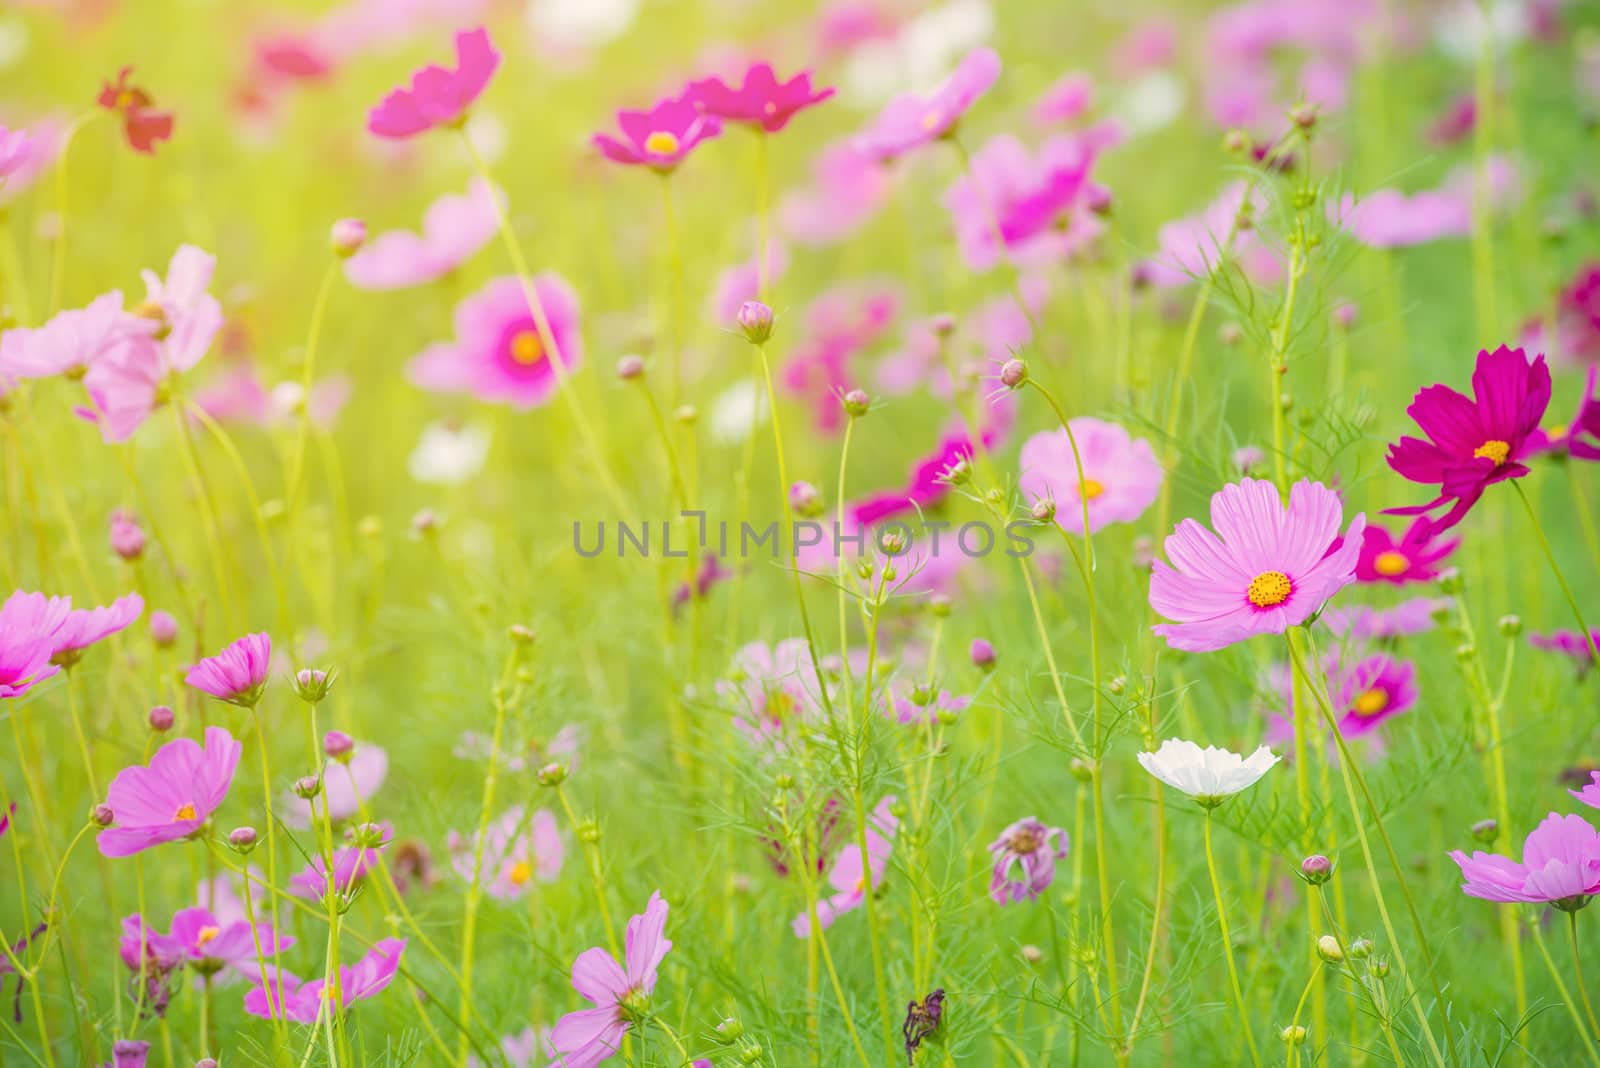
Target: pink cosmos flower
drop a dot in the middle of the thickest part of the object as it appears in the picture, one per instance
(525, 1049)
(928, 708)
(438, 98)
(771, 688)
(28, 624)
(1068, 98)
(1456, 121)
(77, 630)
(191, 317)
(236, 675)
(1372, 690)
(742, 282)
(209, 944)
(454, 229)
(306, 1002)
(350, 863)
(498, 354)
(1590, 794)
(588, 1037)
(33, 158)
(841, 324)
(1560, 866)
(1472, 444)
(848, 187)
(1040, 206)
(171, 798)
(662, 137)
(851, 877)
(1569, 643)
(1033, 848)
(1365, 623)
(1387, 218)
(1579, 437)
(1577, 320)
(515, 851)
(15, 148)
(1413, 558)
(72, 341)
(1267, 568)
(1191, 247)
(344, 788)
(142, 124)
(761, 100)
(128, 1053)
(910, 121)
(1121, 475)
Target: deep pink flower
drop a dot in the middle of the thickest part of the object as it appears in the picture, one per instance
(1579, 437)
(142, 124)
(910, 121)
(515, 851)
(1560, 866)
(1039, 205)
(236, 675)
(1577, 320)
(1590, 794)
(1267, 568)
(350, 864)
(1569, 643)
(588, 1037)
(15, 149)
(128, 1053)
(499, 354)
(1474, 443)
(1121, 475)
(848, 187)
(1364, 623)
(1456, 121)
(851, 878)
(761, 100)
(437, 97)
(28, 624)
(841, 324)
(1413, 558)
(662, 137)
(72, 341)
(344, 787)
(1373, 689)
(171, 798)
(453, 230)
(1033, 848)
(210, 944)
(307, 1002)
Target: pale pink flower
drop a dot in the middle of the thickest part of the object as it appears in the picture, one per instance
(72, 341)
(454, 229)
(912, 120)
(588, 1037)
(852, 876)
(345, 787)
(516, 850)
(1121, 475)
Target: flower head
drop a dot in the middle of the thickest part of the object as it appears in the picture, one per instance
(1018, 206)
(173, 796)
(308, 1002)
(515, 851)
(1367, 693)
(1412, 558)
(1208, 775)
(587, 1037)
(84, 627)
(15, 148)
(760, 100)
(853, 876)
(1267, 568)
(210, 944)
(236, 675)
(1579, 437)
(1365, 623)
(350, 864)
(344, 787)
(72, 341)
(771, 689)
(1121, 475)
(662, 137)
(28, 624)
(142, 124)
(1560, 866)
(1030, 849)
(1474, 443)
(910, 121)
(454, 229)
(500, 354)
(438, 97)
(1570, 643)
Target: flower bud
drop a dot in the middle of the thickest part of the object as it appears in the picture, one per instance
(127, 537)
(1304, 116)
(161, 719)
(1486, 831)
(425, 522)
(630, 367)
(588, 832)
(958, 473)
(750, 1053)
(338, 745)
(892, 542)
(1230, 334)
(1328, 949)
(1450, 582)
(1378, 969)
(369, 836)
(1345, 315)
(805, 500)
(1316, 869)
(1031, 953)
(101, 815)
(982, 654)
(1235, 142)
(939, 606)
(942, 325)
(242, 839)
(1081, 769)
(163, 628)
(857, 403)
(1293, 1035)
(553, 774)
(1361, 949)
(1044, 510)
(520, 634)
(312, 685)
(1013, 373)
(206, 1062)
(686, 414)
(1510, 626)
(307, 786)
(730, 1029)
(755, 319)
(347, 236)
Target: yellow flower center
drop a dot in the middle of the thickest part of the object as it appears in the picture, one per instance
(1390, 562)
(930, 120)
(125, 99)
(185, 812)
(207, 934)
(521, 872)
(1090, 488)
(1493, 449)
(1558, 432)
(1372, 702)
(1269, 588)
(526, 348)
(661, 143)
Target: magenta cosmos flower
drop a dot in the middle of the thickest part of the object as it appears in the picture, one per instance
(350, 864)
(662, 137)
(1030, 849)
(910, 121)
(588, 1037)
(1474, 443)
(345, 786)
(306, 1002)
(171, 798)
(1413, 558)
(28, 624)
(1577, 321)
(760, 100)
(851, 877)
(1579, 437)
(515, 851)
(1267, 568)
(1569, 643)
(438, 97)
(1372, 690)
(1121, 476)
(1560, 866)
(499, 354)
(209, 944)
(1035, 206)
(236, 675)
(1590, 794)
(454, 229)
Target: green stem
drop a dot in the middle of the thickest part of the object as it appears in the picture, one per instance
(1577, 972)
(1561, 580)
(1227, 948)
(1566, 995)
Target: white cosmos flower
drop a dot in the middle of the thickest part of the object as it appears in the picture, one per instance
(737, 410)
(1208, 775)
(447, 455)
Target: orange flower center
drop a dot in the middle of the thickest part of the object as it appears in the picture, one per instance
(521, 872)
(185, 812)
(930, 120)
(1269, 588)
(1390, 562)
(1090, 488)
(1372, 702)
(1558, 432)
(526, 348)
(125, 99)
(207, 934)
(661, 143)
(1493, 449)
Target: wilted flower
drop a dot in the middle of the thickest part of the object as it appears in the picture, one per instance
(1033, 848)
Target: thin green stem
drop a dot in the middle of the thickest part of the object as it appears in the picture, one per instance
(1227, 948)
(1561, 580)
(1566, 995)
(1577, 972)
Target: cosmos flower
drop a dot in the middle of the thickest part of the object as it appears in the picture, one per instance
(1066, 99)
(851, 877)
(1267, 568)
(923, 707)
(1560, 866)
(305, 1002)
(1576, 337)
(760, 100)
(1121, 475)
(847, 189)
(1473, 443)
(1030, 849)
(208, 944)
(448, 455)
(1370, 691)
(1590, 794)
(236, 675)
(841, 324)
(1579, 437)
(910, 121)
(438, 98)
(1569, 643)
(190, 317)
(1365, 623)
(344, 787)
(15, 148)
(1193, 246)
(499, 354)
(454, 229)
(128, 1053)
(528, 1048)
(1413, 558)
(27, 642)
(171, 798)
(81, 628)
(142, 124)
(1030, 207)
(350, 863)
(770, 688)
(72, 341)
(662, 137)
(515, 851)
(587, 1037)
(1208, 775)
